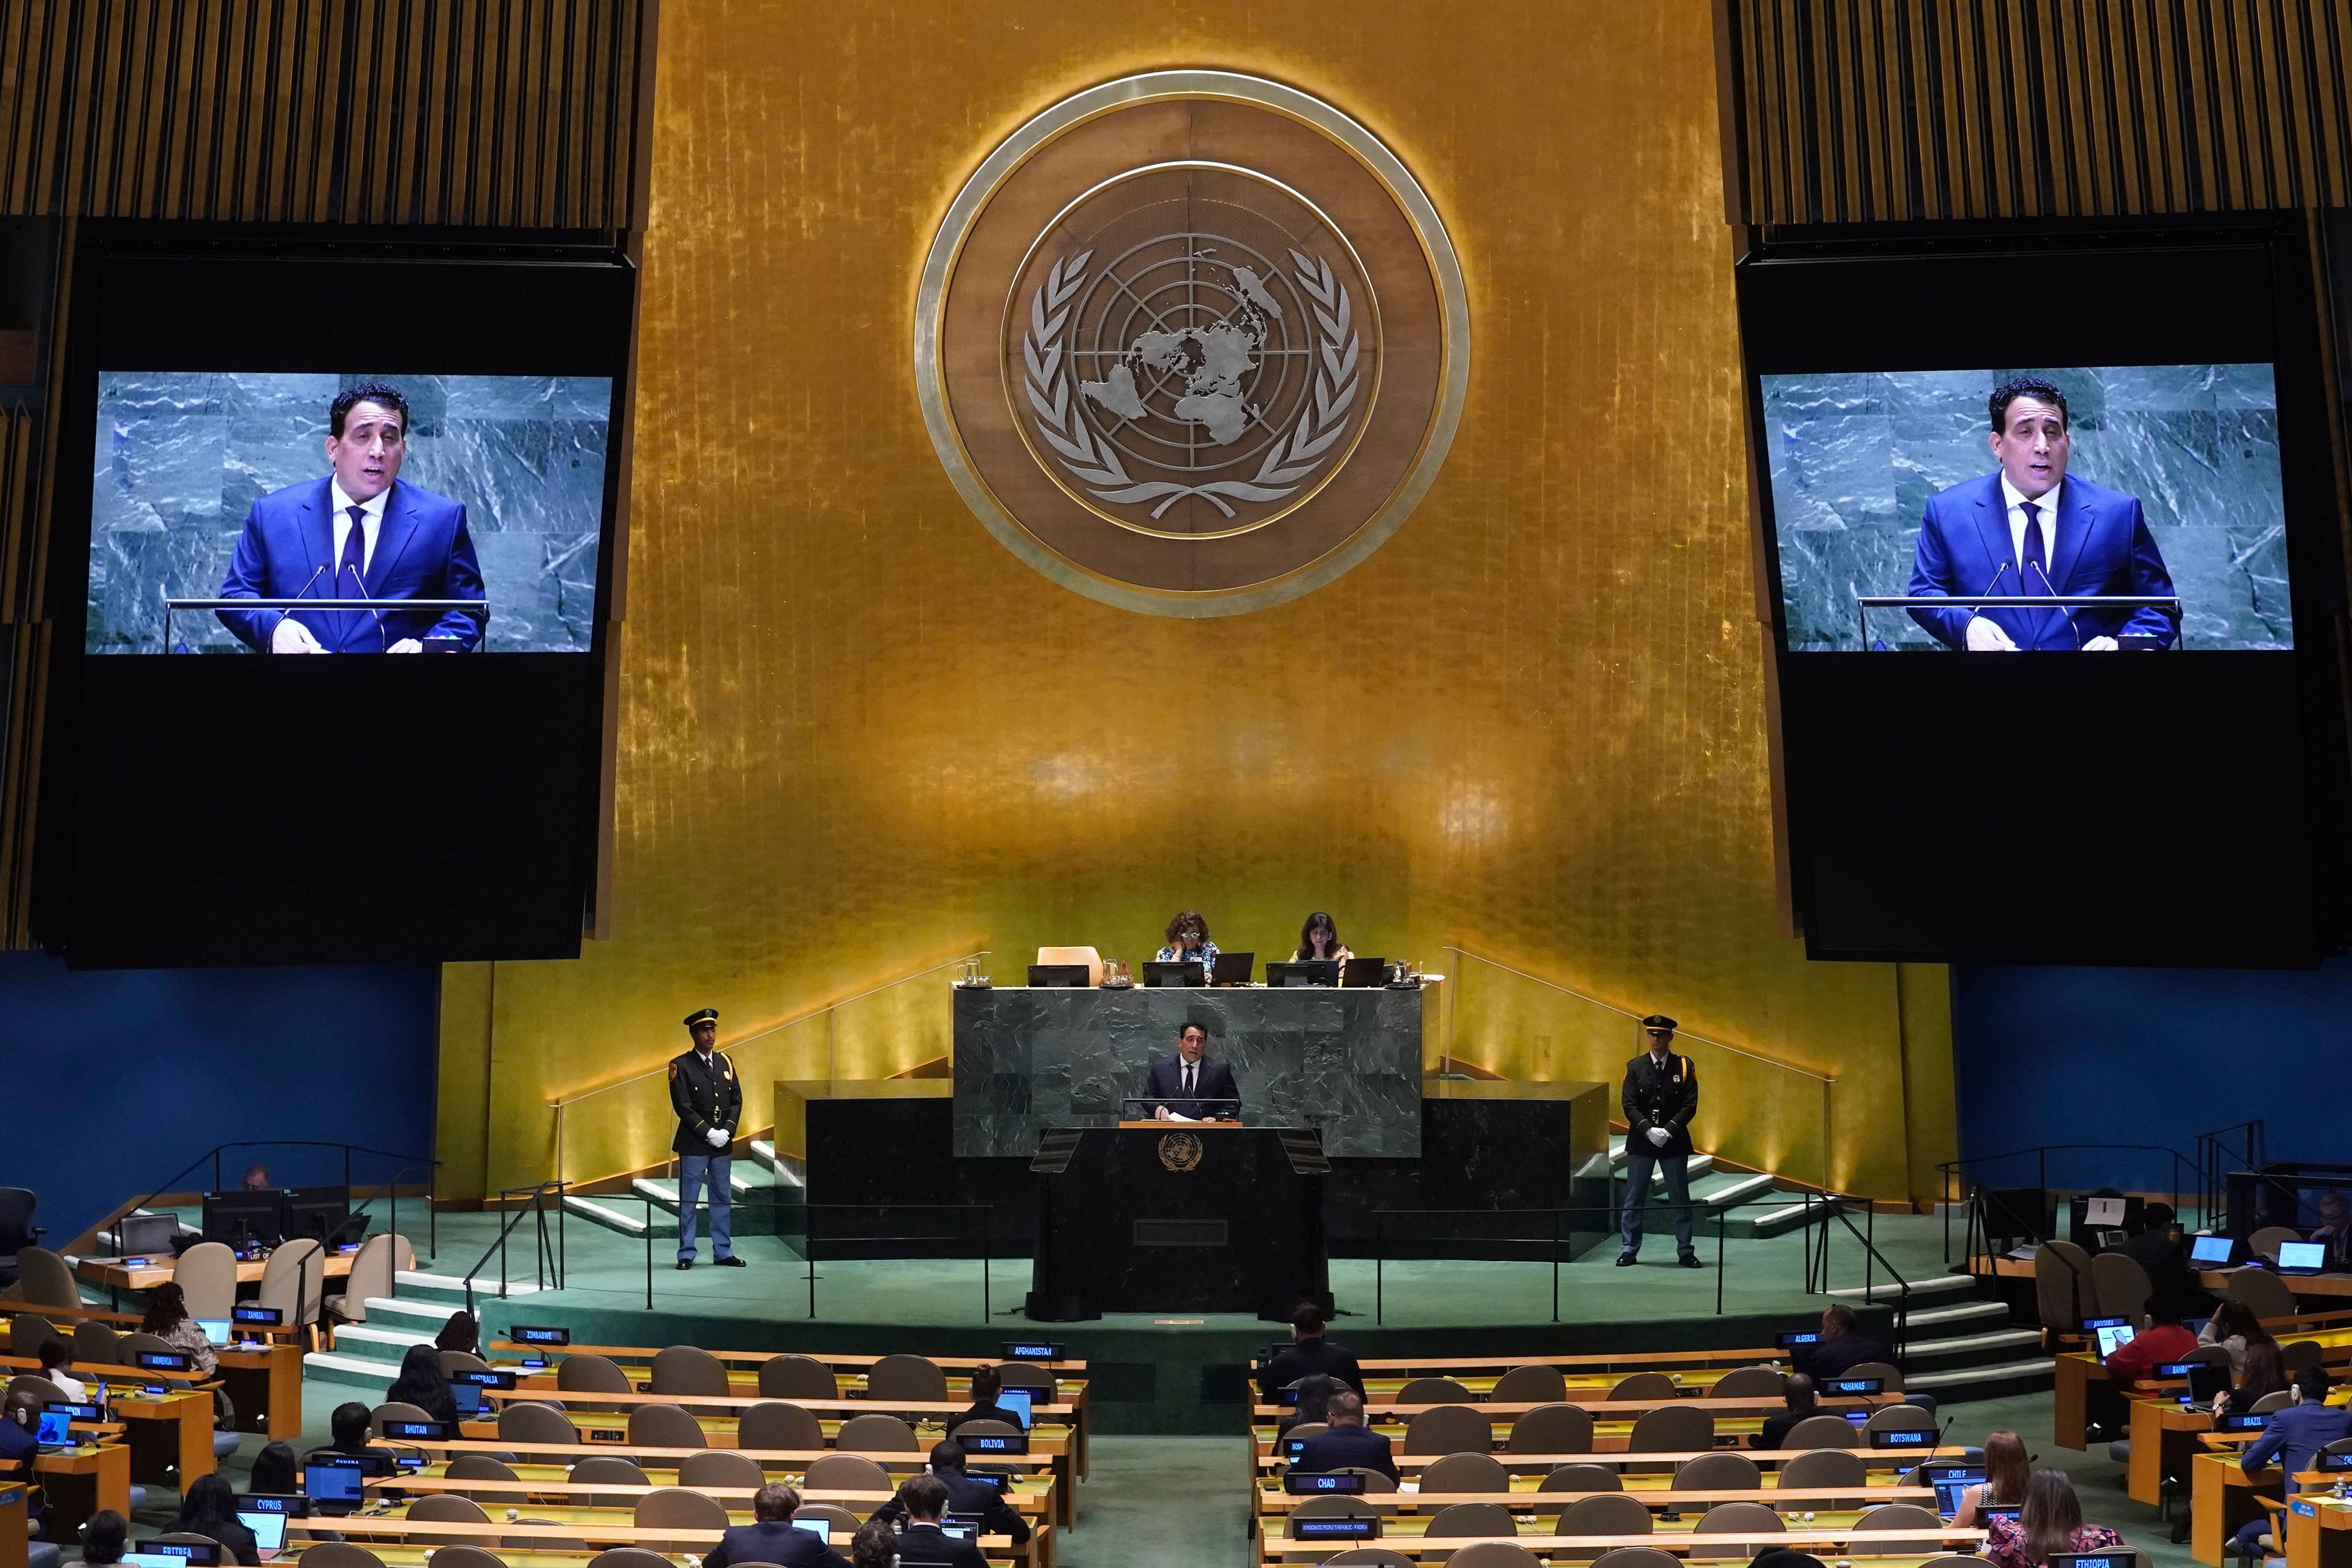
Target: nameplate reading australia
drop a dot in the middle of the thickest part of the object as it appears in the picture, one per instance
(1191, 343)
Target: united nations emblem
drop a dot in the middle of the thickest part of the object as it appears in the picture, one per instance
(1191, 343)
(1179, 1151)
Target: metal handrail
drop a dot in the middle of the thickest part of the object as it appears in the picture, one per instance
(1971, 1192)
(498, 1244)
(213, 1155)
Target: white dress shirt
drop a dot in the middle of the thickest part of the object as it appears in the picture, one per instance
(2029, 580)
(370, 525)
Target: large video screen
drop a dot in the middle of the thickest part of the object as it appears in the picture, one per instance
(482, 495)
(2143, 499)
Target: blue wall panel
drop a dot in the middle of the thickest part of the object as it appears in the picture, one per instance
(2150, 1055)
(116, 1079)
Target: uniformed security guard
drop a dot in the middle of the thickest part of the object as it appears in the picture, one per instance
(709, 1100)
(1661, 1097)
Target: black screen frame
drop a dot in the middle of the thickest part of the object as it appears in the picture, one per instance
(183, 817)
(2189, 806)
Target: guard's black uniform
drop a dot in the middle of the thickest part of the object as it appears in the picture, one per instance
(707, 1094)
(1658, 1093)
(703, 1096)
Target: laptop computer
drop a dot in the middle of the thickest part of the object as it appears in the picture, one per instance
(1951, 1482)
(2112, 1337)
(469, 1396)
(269, 1531)
(1018, 1400)
(333, 1486)
(2211, 1251)
(1193, 973)
(1234, 968)
(1365, 971)
(821, 1529)
(960, 1526)
(55, 1431)
(1302, 972)
(215, 1330)
(2301, 1257)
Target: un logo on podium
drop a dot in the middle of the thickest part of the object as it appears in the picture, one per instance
(1193, 342)
(1179, 1151)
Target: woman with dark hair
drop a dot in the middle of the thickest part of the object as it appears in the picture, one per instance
(1315, 1392)
(1318, 941)
(1188, 940)
(2258, 1374)
(2049, 1522)
(2005, 1482)
(104, 1536)
(55, 1356)
(423, 1383)
(463, 1332)
(209, 1509)
(2233, 1326)
(274, 1471)
(167, 1318)
(876, 1545)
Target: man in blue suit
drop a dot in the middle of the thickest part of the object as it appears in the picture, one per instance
(357, 534)
(2029, 530)
(1346, 1443)
(2294, 1438)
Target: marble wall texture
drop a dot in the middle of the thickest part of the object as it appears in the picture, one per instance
(1855, 457)
(1345, 1062)
(182, 456)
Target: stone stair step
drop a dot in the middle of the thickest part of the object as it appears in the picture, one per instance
(1983, 1382)
(2001, 1341)
(1791, 1216)
(626, 1217)
(1967, 1315)
(1886, 1290)
(366, 1341)
(350, 1372)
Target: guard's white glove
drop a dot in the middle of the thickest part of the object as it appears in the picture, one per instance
(1659, 1136)
(2102, 644)
(293, 637)
(718, 1136)
(1985, 636)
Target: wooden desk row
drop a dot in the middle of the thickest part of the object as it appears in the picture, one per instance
(2085, 1393)
(420, 1536)
(1877, 1462)
(1844, 1544)
(115, 1275)
(264, 1384)
(634, 1354)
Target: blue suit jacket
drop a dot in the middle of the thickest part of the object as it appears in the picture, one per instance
(2295, 1434)
(422, 551)
(1215, 1093)
(1347, 1447)
(2103, 547)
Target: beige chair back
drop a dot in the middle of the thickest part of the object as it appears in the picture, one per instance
(43, 1280)
(878, 1433)
(1899, 1418)
(847, 1473)
(1433, 1391)
(629, 1557)
(1553, 1429)
(1530, 1385)
(2265, 1293)
(139, 1343)
(2295, 1355)
(664, 1426)
(719, 1467)
(1086, 955)
(1645, 1386)
(592, 1375)
(371, 1276)
(448, 1508)
(28, 1331)
(1889, 1375)
(611, 1470)
(455, 1361)
(294, 1282)
(675, 1508)
(1671, 1428)
(2264, 1243)
(1902, 1516)
(207, 1276)
(343, 1554)
(1833, 1468)
(779, 1424)
(796, 1377)
(1466, 1473)
(1723, 1472)
(1750, 1382)
(1305, 1429)
(1449, 1429)
(1371, 1557)
(94, 1344)
(1822, 1432)
(480, 1468)
(2121, 1285)
(2063, 1292)
(465, 1557)
(986, 1429)
(2270, 1402)
(1617, 1557)
(394, 1410)
(1753, 1518)
(1472, 1519)
(910, 1377)
(538, 1426)
(689, 1370)
(1583, 1478)
(1491, 1554)
(1602, 1513)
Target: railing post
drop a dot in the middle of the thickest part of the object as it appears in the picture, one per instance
(1721, 1214)
(987, 1290)
(649, 1250)
(808, 1254)
(1869, 1246)
(1555, 1266)
(1380, 1266)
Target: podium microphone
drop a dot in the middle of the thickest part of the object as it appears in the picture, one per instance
(2063, 610)
(381, 645)
(283, 614)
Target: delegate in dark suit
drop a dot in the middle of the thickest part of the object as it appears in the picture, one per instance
(777, 1540)
(966, 1496)
(1347, 1447)
(929, 1546)
(1214, 1096)
(1311, 1357)
(2294, 1438)
(422, 551)
(2100, 545)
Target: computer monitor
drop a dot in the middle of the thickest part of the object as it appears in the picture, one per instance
(332, 1485)
(146, 1233)
(2301, 1257)
(2206, 1380)
(1365, 971)
(469, 1396)
(237, 1219)
(1952, 1482)
(319, 1213)
(2112, 1337)
(215, 1330)
(2213, 1251)
(821, 1529)
(1234, 968)
(269, 1531)
(1062, 976)
(1194, 973)
(1017, 1401)
(1302, 971)
(55, 1429)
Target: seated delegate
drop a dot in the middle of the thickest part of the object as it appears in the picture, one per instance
(2049, 1519)
(1318, 942)
(1187, 942)
(965, 1496)
(1346, 1443)
(2163, 1341)
(2294, 1438)
(1797, 1402)
(1310, 1354)
(986, 1383)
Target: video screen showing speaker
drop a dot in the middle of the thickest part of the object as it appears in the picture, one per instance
(1928, 509)
(348, 445)
(442, 513)
(2045, 520)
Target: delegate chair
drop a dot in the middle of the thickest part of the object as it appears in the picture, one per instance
(1822, 1432)
(1466, 1473)
(1889, 1375)
(1750, 1382)
(448, 1508)
(2265, 1293)
(611, 1470)
(909, 1377)
(1899, 1418)
(17, 1230)
(1472, 1519)
(1645, 1386)
(1629, 1557)
(529, 1424)
(796, 1377)
(1493, 1554)
(1299, 1433)
(27, 1332)
(43, 1280)
(2063, 1293)
(294, 1282)
(1371, 1557)
(455, 1361)
(592, 1375)
(1089, 956)
(675, 1508)
(2298, 1354)
(664, 1426)
(207, 1276)
(628, 1557)
(1835, 1468)
(1433, 1390)
(1671, 1428)
(94, 1344)
(2264, 1243)
(1603, 1513)
(465, 1557)
(370, 1280)
(1553, 1429)
(1023, 1375)
(847, 1473)
(1723, 1472)
(343, 1554)
(1530, 1385)
(2121, 1284)
(839, 1521)
(480, 1468)
(1449, 1429)
(878, 1433)
(1583, 1478)
(689, 1370)
(138, 1343)
(1751, 1519)
(1902, 1516)
(719, 1467)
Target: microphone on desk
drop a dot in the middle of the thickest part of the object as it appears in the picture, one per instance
(283, 614)
(382, 645)
(2063, 610)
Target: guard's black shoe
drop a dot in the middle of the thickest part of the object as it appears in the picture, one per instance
(1625, 1260)
(686, 1263)
(731, 1263)
(1690, 1260)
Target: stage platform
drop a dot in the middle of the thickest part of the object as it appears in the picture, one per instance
(1168, 1373)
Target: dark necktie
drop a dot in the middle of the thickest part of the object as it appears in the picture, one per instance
(1188, 1078)
(350, 571)
(2037, 562)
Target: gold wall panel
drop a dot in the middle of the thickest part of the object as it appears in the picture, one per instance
(855, 732)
